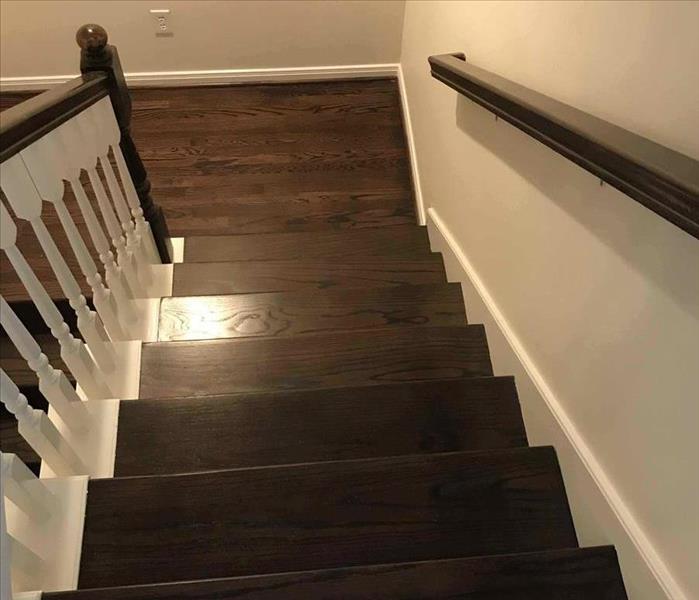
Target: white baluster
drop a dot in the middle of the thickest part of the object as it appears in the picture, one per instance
(39, 158)
(25, 201)
(69, 137)
(53, 384)
(73, 351)
(96, 127)
(104, 106)
(84, 132)
(40, 433)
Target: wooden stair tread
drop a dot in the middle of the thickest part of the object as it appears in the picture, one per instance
(402, 240)
(244, 277)
(221, 212)
(568, 574)
(362, 357)
(194, 434)
(323, 515)
(16, 367)
(309, 311)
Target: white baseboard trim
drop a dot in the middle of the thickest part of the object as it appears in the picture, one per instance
(611, 520)
(218, 76)
(415, 173)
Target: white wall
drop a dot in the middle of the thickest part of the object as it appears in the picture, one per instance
(38, 38)
(589, 297)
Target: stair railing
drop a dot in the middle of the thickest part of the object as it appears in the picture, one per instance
(68, 152)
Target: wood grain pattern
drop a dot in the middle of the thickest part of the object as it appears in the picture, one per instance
(316, 425)
(569, 574)
(312, 361)
(292, 313)
(322, 515)
(320, 155)
(407, 241)
(245, 277)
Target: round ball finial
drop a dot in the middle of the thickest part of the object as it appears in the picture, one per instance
(91, 37)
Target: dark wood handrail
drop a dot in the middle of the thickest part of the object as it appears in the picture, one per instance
(661, 179)
(30, 120)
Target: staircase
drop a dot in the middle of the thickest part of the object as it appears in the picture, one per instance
(316, 418)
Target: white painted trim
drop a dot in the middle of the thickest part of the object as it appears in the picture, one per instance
(633, 530)
(218, 76)
(412, 152)
(177, 250)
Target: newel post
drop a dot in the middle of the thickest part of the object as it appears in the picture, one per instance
(97, 55)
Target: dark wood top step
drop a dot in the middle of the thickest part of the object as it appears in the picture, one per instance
(245, 277)
(569, 574)
(16, 367)
(309, 311)
(408, 241)
(196, 434)
(323, 515)
(218, 211)
(362, 357)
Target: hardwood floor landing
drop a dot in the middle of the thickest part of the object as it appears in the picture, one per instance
(256, 158)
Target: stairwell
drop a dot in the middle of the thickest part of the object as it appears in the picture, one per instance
(317, 417)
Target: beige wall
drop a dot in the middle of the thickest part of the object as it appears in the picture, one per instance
(599, 296)
(37, 38)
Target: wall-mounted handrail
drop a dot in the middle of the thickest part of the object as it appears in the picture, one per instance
(663, 180)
